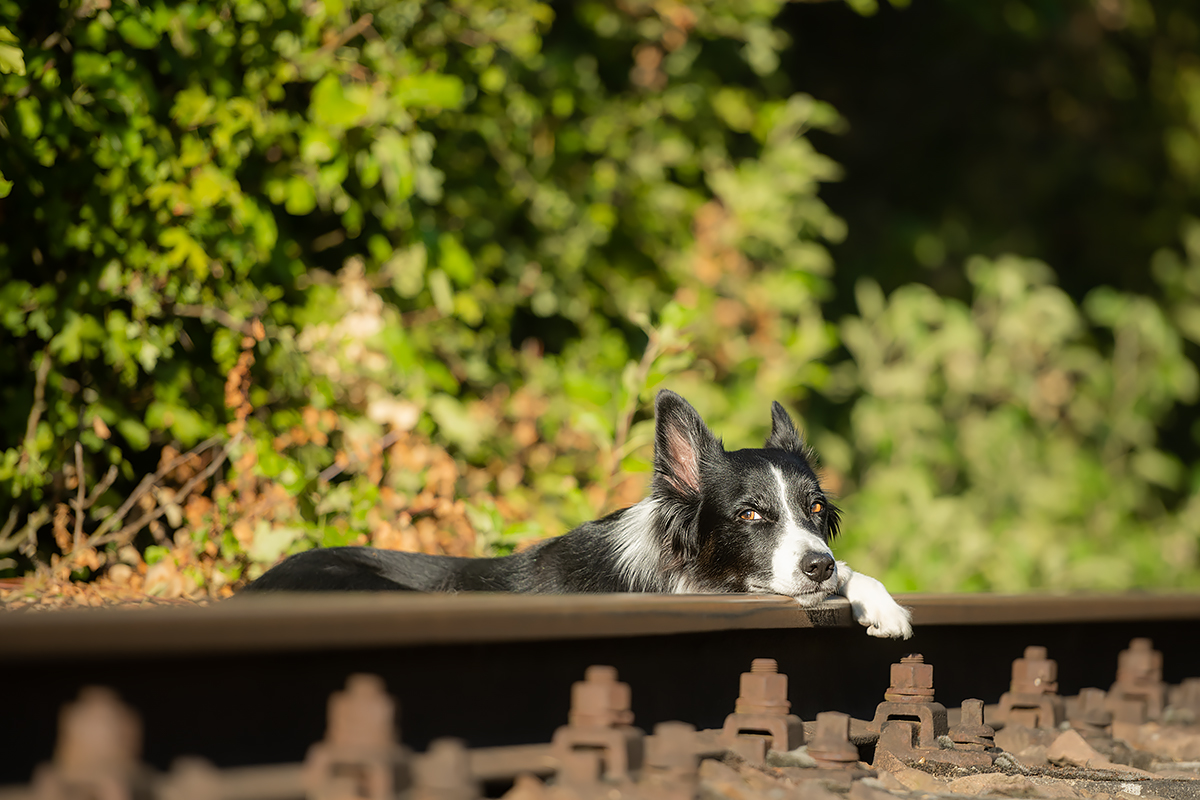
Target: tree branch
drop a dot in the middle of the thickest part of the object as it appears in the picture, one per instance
(357, 27)
(187, 488)
(148, 482)
(5, 538)
(39, 405)
(625, 421)
(80, 496)
(219, 315)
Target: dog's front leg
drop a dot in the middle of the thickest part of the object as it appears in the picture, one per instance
(872, 606)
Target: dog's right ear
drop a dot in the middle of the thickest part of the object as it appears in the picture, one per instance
(783, 432)
(682, 442)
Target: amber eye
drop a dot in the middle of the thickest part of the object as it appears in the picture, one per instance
(816, 507)
(749, 515)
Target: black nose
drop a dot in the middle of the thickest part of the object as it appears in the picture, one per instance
(817, 566)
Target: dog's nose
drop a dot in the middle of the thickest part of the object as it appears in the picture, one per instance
(817, 566)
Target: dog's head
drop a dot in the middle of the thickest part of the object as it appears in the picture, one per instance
(744, 521)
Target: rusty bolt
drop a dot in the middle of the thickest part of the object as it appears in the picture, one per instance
(673, 748)
(363, 715)
(1140, 665)
(831, 746)
(191, 778)
(1091, 711)
(444, 772)
(98, 731)
(1035, 673)
(600, 700)
(912, 681)
(763, 690)
(972, 733)
(1186, 697)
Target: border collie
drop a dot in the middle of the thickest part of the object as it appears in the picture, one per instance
(715, 522)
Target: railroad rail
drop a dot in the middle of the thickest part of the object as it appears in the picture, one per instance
(247, 685)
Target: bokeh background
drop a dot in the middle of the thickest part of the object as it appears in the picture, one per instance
(277, 274)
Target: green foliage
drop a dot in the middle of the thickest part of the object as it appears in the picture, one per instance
(230, 217)
(1009, 444)
(11, 57)
(287, 273)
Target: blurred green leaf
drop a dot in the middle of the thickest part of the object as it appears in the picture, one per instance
(12, 59)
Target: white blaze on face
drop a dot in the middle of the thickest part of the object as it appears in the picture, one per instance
(795, 541)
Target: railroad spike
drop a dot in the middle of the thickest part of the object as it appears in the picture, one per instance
(1032, 699)
(761, 713)
(831, 747)
(972, 733)
(599, 741)
(1185, 701)
(672, 766)
(910, 694)
(1089, 714)
(904, 741)
(443, 772)
(360, 756)
(192, 778)
(1139, 694)
(97, 753)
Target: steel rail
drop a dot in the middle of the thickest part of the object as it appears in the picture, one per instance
(1029, 609)
(320, 621)
(311, 622)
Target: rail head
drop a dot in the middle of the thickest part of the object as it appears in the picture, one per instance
(1034, 609)
(305, 622)
(322, 621)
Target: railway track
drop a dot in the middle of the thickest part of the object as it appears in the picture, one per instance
(524, 683)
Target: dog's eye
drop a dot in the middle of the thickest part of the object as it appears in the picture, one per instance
(749, 515)
(816, 507)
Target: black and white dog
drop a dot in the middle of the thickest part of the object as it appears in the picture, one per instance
(715, 522)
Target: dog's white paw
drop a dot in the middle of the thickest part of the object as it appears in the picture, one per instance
(886, 623)
(873, 607)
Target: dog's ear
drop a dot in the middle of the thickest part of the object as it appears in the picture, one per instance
(783, 433)
(682, 442)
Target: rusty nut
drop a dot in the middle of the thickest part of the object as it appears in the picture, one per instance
(1035, 673)
(912, 678)
(763, 693)
(600, 700)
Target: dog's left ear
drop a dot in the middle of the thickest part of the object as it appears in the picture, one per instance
(783, 432)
